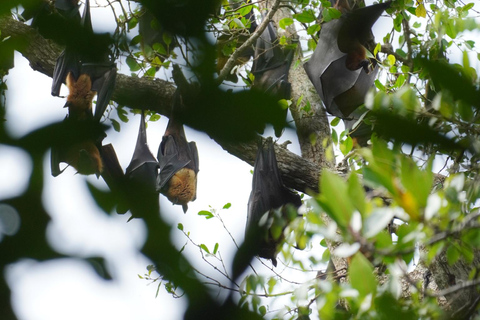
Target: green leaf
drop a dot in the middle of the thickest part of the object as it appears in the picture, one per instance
(135, 40)
(347, 145)
(243, 11)
(330, 14)
(122, 114)
(262, 310)
(361, 275)
(154, 117)
(159, 48)
(416, 181)
(285, 22)
(204, 248)
(180, 226)
(227, 206)
(313, 29)
(334, 136)
(132, 23)
(167, 38)
(132, 64)
(333, 188)
(207, 214)
(335, 122)
(356, 193)
(420, 11)
(306, 16)
(116, 125)
(380, 85)
(452, 254)
(215, 249)
(323, 243)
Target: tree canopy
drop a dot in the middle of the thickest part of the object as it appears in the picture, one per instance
(397, 216)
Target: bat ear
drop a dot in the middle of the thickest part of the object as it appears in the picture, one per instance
(185, 208)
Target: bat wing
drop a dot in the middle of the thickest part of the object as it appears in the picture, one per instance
(68, 9)
(68, 61)
(87, 18)
(55, 159)
(143, 167)
(342, 90)
(326, 53)
(103, 76)
(358, 24)
(268, 193)
(270, 67)
(169, 161)
(268, 53)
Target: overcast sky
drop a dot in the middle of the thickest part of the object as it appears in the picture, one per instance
(69, 288)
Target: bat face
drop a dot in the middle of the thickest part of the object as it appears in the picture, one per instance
(178, 161)
(266, 205)
(270, 67)
(338, 68)
(143, 168)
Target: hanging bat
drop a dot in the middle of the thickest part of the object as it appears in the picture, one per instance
(84, 79)
(78, 147)
(140, 177)
(339, 68)
(266, 205)
(178, 161)
(68, 9)
(143, 168)
(74, 67)
(270, 68)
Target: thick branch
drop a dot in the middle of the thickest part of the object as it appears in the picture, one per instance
(156, 95)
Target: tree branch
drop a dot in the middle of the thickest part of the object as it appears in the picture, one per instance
(156, 95)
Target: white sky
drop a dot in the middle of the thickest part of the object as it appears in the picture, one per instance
(69, 288)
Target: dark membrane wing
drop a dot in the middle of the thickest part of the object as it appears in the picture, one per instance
(103, 77)
(143, 167)
(169, 162)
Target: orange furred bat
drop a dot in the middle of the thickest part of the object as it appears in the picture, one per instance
(85, 157)
(85, 77)
(80, 97)
(178, 160)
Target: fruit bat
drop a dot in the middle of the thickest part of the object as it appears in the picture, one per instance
(270, 68)
(84, 79)
(74, 68)
(178, 161)
(78, 147)
(266, 205)
(143, 168)
(339, 68)
(140, 177)
(68, 9)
